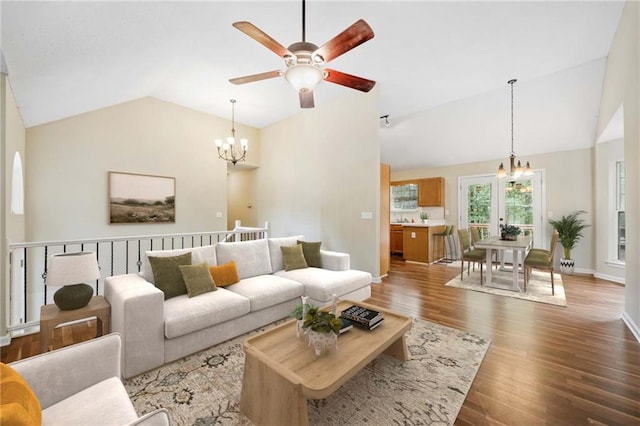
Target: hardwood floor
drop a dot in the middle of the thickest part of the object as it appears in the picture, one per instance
(574, 365)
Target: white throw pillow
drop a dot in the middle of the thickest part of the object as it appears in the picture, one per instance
(251, 257)
(277, 261)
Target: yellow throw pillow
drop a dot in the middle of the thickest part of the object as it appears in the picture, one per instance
(18, 403)
(224, 275)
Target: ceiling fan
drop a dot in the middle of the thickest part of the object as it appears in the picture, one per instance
(304, 60)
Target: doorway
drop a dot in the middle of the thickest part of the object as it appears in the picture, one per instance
(487, 202)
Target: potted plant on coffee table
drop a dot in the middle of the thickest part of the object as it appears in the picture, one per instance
(299, 313)
(323, 329)
(569, 229)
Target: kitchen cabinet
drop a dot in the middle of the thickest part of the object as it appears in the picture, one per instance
(431, 192)
(420, 244)
(396, 239)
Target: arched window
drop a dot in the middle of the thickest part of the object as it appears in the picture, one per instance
(17, 186)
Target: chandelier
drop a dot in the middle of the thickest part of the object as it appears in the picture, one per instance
(515, 171)
(227, 149)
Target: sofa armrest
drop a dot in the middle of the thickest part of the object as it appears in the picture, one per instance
(335, 261)
(160, 417)
(61, 373)
(137, 313)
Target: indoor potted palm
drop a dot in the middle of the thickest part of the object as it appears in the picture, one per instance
(569, 229)
(322, 328)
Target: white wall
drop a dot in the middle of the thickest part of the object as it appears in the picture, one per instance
(568, 188)
(319, 170)
(606, 155)
(69, 161)
(12, 226)
(621, 87)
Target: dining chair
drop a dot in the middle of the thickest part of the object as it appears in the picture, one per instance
(541, 259)
(469, 254)
(476, 235)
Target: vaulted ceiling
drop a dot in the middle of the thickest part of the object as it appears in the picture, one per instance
(441, 67)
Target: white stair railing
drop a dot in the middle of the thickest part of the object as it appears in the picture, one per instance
(116, 255)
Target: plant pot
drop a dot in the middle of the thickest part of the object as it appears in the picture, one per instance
(567, 266)
(425, 221)
(508, 237)
(319, 341)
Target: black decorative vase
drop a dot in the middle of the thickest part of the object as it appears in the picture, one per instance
(72, 297)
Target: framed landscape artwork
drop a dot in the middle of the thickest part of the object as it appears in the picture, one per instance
(135, 198)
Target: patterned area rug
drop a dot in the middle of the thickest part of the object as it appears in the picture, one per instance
(204, 388)
(538, 287)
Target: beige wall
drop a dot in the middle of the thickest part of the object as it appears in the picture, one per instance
(621, 87)
(319, 171)
(568, 178)
(241, 198)
(69, 161)
(12, 226)
(606, 154)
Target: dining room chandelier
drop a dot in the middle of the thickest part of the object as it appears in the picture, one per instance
(227, 149)
(515, 169)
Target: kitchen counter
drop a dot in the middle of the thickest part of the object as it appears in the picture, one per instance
(419, 242)
(420, 224)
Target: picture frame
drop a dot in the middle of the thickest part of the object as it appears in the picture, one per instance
(139, 198)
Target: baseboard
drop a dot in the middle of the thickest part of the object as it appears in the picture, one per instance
(5, 340)
(378, 279)
(581, 271)
(631, 325)
(613, 278)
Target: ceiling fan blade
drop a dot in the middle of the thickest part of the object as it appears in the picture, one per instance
(261, 37)
(348, 80)
(255, 77)
(353, 36)
(306, 99)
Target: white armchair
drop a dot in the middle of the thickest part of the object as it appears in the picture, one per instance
(80, 385)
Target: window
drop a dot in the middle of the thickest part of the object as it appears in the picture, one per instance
(620, 212)
(404, 197)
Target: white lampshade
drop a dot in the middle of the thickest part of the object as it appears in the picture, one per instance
(72, 268)
(219, 143)
(244, 143)
(303, 77)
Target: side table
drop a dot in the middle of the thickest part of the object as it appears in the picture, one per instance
(51, 317)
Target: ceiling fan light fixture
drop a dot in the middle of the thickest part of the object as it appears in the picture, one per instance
(303, 77)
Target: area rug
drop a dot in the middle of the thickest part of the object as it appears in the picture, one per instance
(429, 389)
(538, 287)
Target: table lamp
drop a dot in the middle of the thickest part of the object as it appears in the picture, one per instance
(72, 270)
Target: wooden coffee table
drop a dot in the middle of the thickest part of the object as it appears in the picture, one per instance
(281, 372)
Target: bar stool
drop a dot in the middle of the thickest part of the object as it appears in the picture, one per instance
(450, 245)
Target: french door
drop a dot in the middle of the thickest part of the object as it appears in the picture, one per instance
(487, 201)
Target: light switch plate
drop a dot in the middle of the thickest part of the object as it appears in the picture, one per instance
(218, 214)
(366, 215)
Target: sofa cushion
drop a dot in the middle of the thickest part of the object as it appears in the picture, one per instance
(277, 262)
(198, 255)
(293, 258)
(167, 275)
(183, 315)
(251, 257)
(224, 275)
(311, 251)
(114, 407)
(18, 403)
(321, 284)
(197, 279)
(267, 290)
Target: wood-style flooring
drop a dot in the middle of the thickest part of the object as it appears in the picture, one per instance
(574, 365)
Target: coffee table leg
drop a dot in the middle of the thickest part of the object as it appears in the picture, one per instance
(398, 349)
(267, 398)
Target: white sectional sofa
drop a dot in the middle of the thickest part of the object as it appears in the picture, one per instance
(156, 331)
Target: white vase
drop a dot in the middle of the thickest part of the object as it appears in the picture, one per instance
(567, 266)
(319, 340)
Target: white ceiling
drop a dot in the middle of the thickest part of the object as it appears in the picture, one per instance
(441, 67)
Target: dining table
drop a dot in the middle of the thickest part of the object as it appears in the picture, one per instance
(519, 247)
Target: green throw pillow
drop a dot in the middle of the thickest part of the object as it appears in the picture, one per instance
(197, 279)
(293, 258)
(167, 275)
(311, 251)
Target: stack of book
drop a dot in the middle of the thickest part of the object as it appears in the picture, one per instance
(362, 317)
